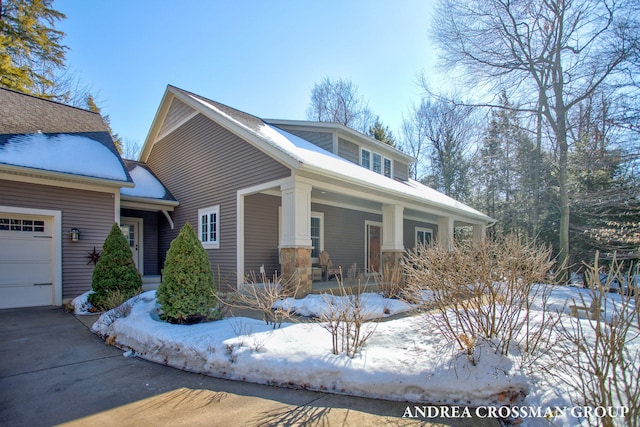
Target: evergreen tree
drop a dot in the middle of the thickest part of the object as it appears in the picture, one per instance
(115, 277)
(92, 106)
(31, 49)
(187, 293)
(505, 172)
(382, 133)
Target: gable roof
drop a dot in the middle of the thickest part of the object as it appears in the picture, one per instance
(300, 154)
(44, 137)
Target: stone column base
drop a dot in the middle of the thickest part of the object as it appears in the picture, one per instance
(295, 265)
(391, 258)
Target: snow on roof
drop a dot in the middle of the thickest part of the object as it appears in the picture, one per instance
(311, 155)
(146, 185)
(72, 154)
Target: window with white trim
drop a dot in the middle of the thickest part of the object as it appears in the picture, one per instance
(424, 236)
(387, 167)
(376, 162)
(209, 227)
(365, 158)
(317, 235)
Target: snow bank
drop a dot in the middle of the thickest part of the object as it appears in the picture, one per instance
(405, 359)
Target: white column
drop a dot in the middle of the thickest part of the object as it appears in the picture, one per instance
(445, 232)
(392, 228)
(296, 214)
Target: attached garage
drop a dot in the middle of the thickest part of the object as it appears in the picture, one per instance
(29, 257)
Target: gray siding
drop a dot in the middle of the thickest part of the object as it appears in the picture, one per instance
(178, 111)
(261, 234)
(349, 151)
(409, 232)
(344, 234)
(150, 238)
(203, 165)
(91, 212)
(323, 140)
(400, 171)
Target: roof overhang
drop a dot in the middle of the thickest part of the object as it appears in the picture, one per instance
(147, 204)
(61, 176)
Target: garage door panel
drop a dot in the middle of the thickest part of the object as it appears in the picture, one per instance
(25, 296)
(29, 248)
(26, 262)
(24, 273)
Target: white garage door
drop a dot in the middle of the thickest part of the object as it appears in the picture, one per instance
(26, 260)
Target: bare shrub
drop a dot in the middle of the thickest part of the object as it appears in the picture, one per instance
(346, 319)
(392, 284)
(486, 291)
(262, 294)
(598, 363)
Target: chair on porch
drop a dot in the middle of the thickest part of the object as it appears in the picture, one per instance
(327, 266)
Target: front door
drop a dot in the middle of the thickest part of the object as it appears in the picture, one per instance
(132, 230)
(374, 243)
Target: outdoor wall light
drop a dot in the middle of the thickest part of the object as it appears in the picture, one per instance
(75, 234)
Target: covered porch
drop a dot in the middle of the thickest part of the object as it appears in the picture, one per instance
(284, 226)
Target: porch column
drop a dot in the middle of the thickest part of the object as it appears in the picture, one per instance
(445, 232)
(392, 235)
(479, 233)
(295, 247)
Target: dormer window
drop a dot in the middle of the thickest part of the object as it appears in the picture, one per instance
(365, 159)
(375, 162)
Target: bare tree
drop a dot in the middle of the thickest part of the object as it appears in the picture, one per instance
(552, 54)
(338, 101)
(438, 134)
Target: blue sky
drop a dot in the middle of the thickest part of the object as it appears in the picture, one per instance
(262, 57)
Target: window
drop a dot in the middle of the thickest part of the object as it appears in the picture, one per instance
(14, 224)
(209, 227)
(365, 158)
(317, 224)
(377, 163)
(424, 236)
(315, 236)
(387, 167)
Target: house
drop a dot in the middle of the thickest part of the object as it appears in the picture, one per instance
(264, 195)
(272, 194)
(61, 178)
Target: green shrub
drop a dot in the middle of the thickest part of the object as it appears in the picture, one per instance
(115, 277)
(187, 293)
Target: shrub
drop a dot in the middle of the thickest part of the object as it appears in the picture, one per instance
(599, 359)
(115, 277)
(486, 291)
(346, 320)
(262, 294)
(187, 293)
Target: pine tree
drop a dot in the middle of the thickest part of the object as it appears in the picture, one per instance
(31, 49)
(187, 293)
(92, 106)
(506, 172)
(115, 277)
(382, 133)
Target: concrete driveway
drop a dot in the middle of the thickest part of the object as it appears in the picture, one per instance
(53, 370)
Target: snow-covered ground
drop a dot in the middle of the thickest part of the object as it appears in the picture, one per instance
(405, 359)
